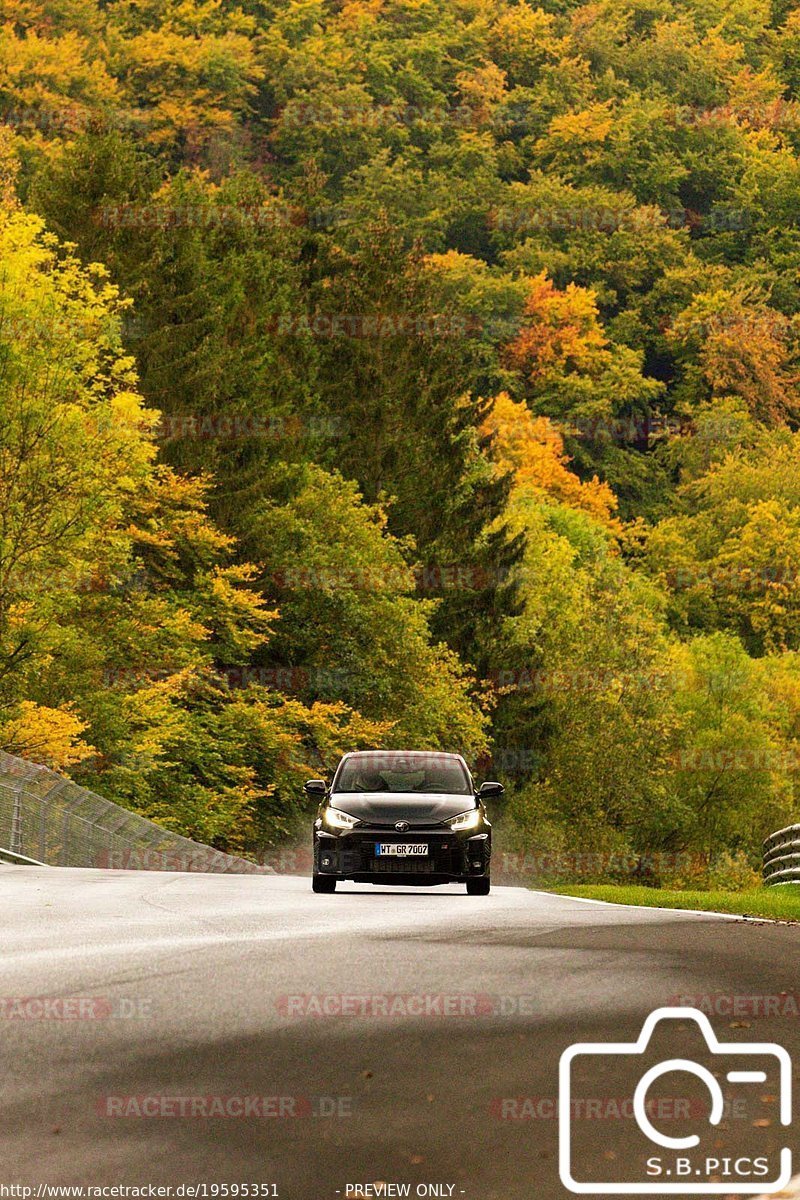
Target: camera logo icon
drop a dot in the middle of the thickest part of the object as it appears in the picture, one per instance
(652, 1161)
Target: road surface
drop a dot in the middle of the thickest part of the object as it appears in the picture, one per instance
(166, 1000)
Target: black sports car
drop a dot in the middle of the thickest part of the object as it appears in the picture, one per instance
(407, 817)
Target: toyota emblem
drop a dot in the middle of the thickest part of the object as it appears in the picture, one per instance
(401, 826)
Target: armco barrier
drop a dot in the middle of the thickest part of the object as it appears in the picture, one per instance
(782, 856)
(48, 819)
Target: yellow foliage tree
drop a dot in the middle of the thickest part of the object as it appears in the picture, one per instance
(532, 449)
(561, 332)
(47, 735)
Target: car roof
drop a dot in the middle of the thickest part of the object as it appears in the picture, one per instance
(403, 754)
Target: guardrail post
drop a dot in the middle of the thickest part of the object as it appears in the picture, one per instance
(16, 822)
(42, 831)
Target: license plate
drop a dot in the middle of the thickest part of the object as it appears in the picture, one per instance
(402, 849)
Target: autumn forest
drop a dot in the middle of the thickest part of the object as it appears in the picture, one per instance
(406, 373)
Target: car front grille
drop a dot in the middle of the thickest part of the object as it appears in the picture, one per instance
(403, 866)
(445, 854)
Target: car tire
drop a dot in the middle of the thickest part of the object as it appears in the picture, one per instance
(479, 887)
(323, 883)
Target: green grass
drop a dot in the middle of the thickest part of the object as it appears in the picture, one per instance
(779, 903)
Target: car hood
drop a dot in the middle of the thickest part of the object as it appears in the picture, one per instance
(384, 808)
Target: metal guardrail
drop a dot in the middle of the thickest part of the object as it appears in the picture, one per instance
(782, 856)
(19, 858)
(48, 819)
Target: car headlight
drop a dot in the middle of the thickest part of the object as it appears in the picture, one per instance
(467, 820)
(334, 818)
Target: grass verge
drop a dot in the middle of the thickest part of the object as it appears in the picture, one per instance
(779, 903)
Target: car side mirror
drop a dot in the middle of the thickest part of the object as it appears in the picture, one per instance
(490, 791)
(315, 787)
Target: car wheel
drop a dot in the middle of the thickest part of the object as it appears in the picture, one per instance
(479, 887)
(323, 883)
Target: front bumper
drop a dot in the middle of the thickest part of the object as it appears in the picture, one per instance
(451, 857)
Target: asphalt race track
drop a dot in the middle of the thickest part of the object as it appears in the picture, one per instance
(166, 1003)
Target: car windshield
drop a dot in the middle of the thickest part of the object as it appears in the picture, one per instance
(403, 773)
